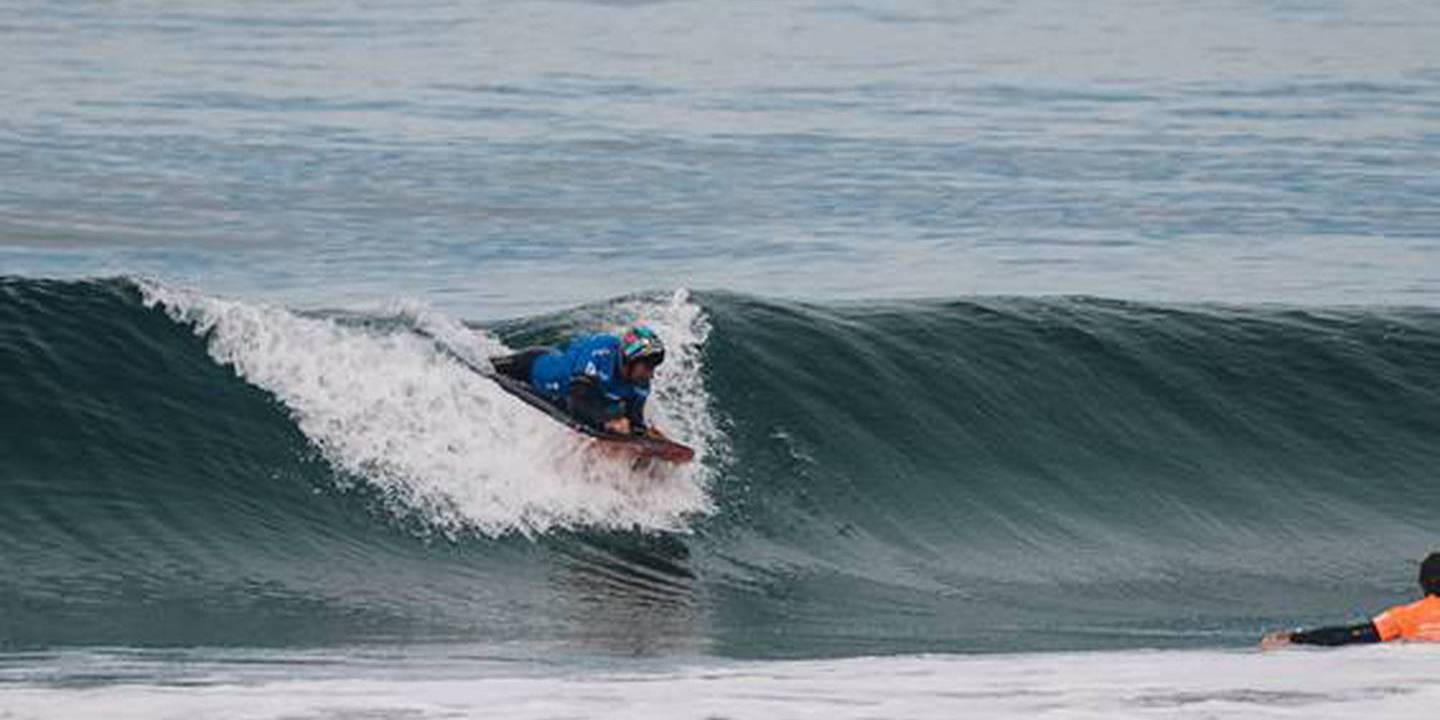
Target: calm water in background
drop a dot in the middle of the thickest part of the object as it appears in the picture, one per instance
(1154, 477)
(502, 157)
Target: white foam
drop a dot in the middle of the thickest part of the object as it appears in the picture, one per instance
(1392, 682)
(681, 404)
(389, 407)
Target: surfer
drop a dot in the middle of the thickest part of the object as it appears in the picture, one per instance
(601, 380)
(1419, 620)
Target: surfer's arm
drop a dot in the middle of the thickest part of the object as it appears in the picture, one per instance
(635, 413)
(1365, 632)
(587, 402)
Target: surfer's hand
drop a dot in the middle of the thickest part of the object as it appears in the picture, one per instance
(619, 425)
(1275, 640)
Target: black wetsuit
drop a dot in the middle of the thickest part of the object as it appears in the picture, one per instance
(1365, 632)
(518, 366)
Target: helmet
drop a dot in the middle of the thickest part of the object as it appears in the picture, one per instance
(641, 344)
(1430, 574)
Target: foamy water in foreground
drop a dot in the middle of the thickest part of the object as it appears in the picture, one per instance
(1392, 682)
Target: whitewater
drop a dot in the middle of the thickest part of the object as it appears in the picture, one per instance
(441, 439)
(1375, 682)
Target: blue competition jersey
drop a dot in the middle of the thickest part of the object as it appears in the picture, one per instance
(597, 356)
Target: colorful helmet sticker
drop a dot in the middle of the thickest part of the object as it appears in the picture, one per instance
(641, 343)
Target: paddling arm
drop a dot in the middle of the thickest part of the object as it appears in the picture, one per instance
(1326, 636)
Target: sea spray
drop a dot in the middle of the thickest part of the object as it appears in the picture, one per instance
(390, 408)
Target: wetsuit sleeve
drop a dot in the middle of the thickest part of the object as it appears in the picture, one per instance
(1365, 632)
(587, 401)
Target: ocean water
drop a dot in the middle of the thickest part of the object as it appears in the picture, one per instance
(1038, 357)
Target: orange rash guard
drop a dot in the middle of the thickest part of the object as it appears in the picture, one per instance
(1419, 620)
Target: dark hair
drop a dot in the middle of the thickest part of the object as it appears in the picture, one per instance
(1430, 574)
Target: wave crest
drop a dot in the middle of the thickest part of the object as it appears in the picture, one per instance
(387, 406)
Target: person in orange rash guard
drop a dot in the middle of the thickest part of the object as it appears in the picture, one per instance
(1419, 620)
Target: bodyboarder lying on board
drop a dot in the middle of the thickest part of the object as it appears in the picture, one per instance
(601, 380)
(1419, 620)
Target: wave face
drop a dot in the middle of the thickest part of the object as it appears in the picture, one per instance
(994, 474)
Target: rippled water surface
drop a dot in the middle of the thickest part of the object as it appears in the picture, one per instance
(509, 156)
